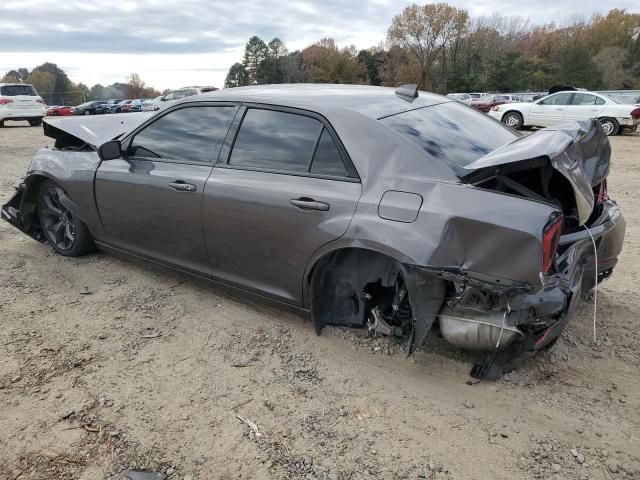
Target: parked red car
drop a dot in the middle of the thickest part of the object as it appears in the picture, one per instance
(58, 110)
(486, 103)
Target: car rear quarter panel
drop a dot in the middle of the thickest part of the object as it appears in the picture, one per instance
(458, 226)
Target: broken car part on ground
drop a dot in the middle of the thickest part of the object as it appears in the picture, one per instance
(398, 211)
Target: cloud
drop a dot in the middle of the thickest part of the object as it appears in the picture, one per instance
(194, 26)
(163, 35)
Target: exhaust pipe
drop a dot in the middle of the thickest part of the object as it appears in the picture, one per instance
(474, 329)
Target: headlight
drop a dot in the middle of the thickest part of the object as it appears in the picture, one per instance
(495, 108)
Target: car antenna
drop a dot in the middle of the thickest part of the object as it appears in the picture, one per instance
(409, 91)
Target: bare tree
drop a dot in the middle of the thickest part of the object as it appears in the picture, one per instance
(134, 86)
(425, 31)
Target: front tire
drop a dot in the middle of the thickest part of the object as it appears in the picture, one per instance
(65, 232)
(610, 126)
(87, 112)
(35, 123)
(513, 120)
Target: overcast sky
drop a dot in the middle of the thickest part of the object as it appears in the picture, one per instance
(193, 42)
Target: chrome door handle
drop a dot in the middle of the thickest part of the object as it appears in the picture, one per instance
(182, 186)
(305, 203)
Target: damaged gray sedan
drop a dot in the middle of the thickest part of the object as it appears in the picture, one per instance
(398, 211)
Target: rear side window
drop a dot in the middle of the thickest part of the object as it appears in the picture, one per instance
(281, 141)
(14, 90)
(327, 159)
(586, 99)
(275, 141)
(451, 133)
(194, 134)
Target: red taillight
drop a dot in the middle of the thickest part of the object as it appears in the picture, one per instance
(4, 101)
(635, 113)
(39, 100)
(550, 240)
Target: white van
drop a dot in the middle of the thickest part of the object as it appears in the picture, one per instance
(20, 101)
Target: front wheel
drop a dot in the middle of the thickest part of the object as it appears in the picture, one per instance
(87, 112)
(67, 234)
(513, 120)
(609, 126)
(35, 123)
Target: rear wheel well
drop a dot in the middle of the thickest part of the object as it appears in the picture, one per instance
(357, 287)
(345, 283)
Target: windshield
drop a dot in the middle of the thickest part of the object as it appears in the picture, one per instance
(452, 133)
(14, 90)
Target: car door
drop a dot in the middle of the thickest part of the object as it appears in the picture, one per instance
(550, 110)
(281, 191)
(150, 199)
(584, 106)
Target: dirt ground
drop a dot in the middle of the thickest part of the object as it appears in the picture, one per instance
(108, 365)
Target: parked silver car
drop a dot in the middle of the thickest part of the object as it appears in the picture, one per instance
(175, 95)
(461, 97)
(394, 210)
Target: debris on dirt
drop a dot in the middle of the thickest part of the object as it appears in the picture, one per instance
(85, 291)
(249, 423)
(143, 475)
(613, 466)
(152, 335)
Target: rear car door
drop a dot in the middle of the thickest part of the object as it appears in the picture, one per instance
(550, 110)
(584, 106)
(150, 200)
(281, 189)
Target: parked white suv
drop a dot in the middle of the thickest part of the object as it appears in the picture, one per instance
(20, 101)
(172, 96)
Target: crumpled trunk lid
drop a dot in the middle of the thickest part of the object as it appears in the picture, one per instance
(93, 130)
(579, 151)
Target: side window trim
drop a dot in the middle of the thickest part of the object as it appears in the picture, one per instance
(227, 148)
(315, 149)
(126, 142)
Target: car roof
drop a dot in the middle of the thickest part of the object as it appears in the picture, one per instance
(375, 102)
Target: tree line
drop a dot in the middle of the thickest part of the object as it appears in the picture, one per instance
(443, 49)
(55, 87)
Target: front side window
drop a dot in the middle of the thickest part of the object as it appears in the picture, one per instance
(194, 134)
(557, 99)
(180, 94)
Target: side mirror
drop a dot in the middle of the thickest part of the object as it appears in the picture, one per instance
(110, 150)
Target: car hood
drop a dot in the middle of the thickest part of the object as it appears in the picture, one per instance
(93, 130)
(580, 151)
